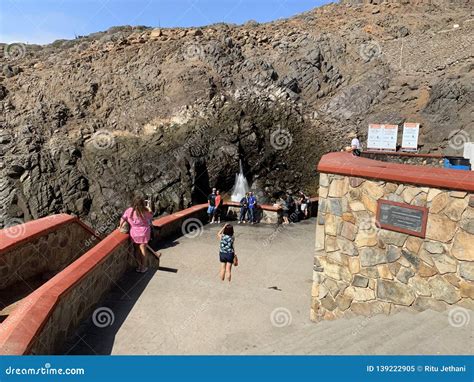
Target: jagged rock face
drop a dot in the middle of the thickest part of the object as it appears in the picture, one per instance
(171, 112)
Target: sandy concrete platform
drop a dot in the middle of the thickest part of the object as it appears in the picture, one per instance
(187, 309)
(184, 308)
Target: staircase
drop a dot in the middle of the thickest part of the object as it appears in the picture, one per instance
(428, 332)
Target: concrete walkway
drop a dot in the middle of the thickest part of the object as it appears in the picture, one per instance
(186, 309)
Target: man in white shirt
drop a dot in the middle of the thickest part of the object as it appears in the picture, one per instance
(355, 145)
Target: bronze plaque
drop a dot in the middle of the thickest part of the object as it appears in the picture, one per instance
(402, 217)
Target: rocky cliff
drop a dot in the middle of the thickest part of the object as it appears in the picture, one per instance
(171, 112)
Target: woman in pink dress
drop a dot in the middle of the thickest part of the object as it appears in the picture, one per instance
(139, 218)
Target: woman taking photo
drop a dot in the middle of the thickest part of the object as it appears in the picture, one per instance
(227, 254)
(139, 218)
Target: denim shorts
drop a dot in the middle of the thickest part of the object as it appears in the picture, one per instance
(226, 257)
(210, 210)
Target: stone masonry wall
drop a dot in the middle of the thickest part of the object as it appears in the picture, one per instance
(79, 301)
(46, 254)
(362, 269)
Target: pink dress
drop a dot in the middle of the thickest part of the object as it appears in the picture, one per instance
(139, 227)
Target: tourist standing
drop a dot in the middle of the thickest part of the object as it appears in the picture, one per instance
(139, 218)
(252, 208)
(211, 205)
(291, 205)
(355, 145)
(244, 206)
(218, 207)
(284, 207)
(227, 254)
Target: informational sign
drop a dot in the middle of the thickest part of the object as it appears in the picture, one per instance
(382, 137)
(410, 136)
(402, 217)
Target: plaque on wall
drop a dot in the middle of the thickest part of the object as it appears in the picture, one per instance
(402, 217)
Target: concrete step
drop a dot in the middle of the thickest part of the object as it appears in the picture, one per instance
(438, 337)
(365, 335)
(395, 333)
(312, 337)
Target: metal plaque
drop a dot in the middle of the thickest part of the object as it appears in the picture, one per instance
(402, 217)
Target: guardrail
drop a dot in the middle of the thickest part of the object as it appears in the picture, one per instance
(347, 164)
(41, 246)
(46, 317)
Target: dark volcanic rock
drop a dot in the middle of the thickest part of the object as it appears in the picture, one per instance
(171, 112)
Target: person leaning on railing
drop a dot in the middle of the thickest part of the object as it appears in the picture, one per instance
(139, 218)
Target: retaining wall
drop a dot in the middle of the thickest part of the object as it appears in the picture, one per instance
(361, 268)
(41, 247)
(47, 317)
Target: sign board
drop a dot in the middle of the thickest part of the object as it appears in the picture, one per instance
(402, 217)
(382, 137)
(410, 136)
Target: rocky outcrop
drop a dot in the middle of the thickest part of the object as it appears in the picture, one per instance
(171, 112)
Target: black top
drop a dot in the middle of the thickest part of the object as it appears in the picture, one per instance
(212, 200)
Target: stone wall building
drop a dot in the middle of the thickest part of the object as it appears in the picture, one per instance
(362, 268)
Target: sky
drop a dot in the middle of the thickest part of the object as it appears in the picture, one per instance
(43, 21)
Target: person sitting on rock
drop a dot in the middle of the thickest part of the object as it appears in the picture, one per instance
(244, 206)
(304, 204)
(139, 218)
(355, 144)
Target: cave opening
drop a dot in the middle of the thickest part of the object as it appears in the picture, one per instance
(200, 188)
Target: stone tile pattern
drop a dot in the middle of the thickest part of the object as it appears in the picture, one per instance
(405, 159)
(46, 254)
(360, 269)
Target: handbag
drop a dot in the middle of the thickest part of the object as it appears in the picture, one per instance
(236, 261)
(125, 227)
